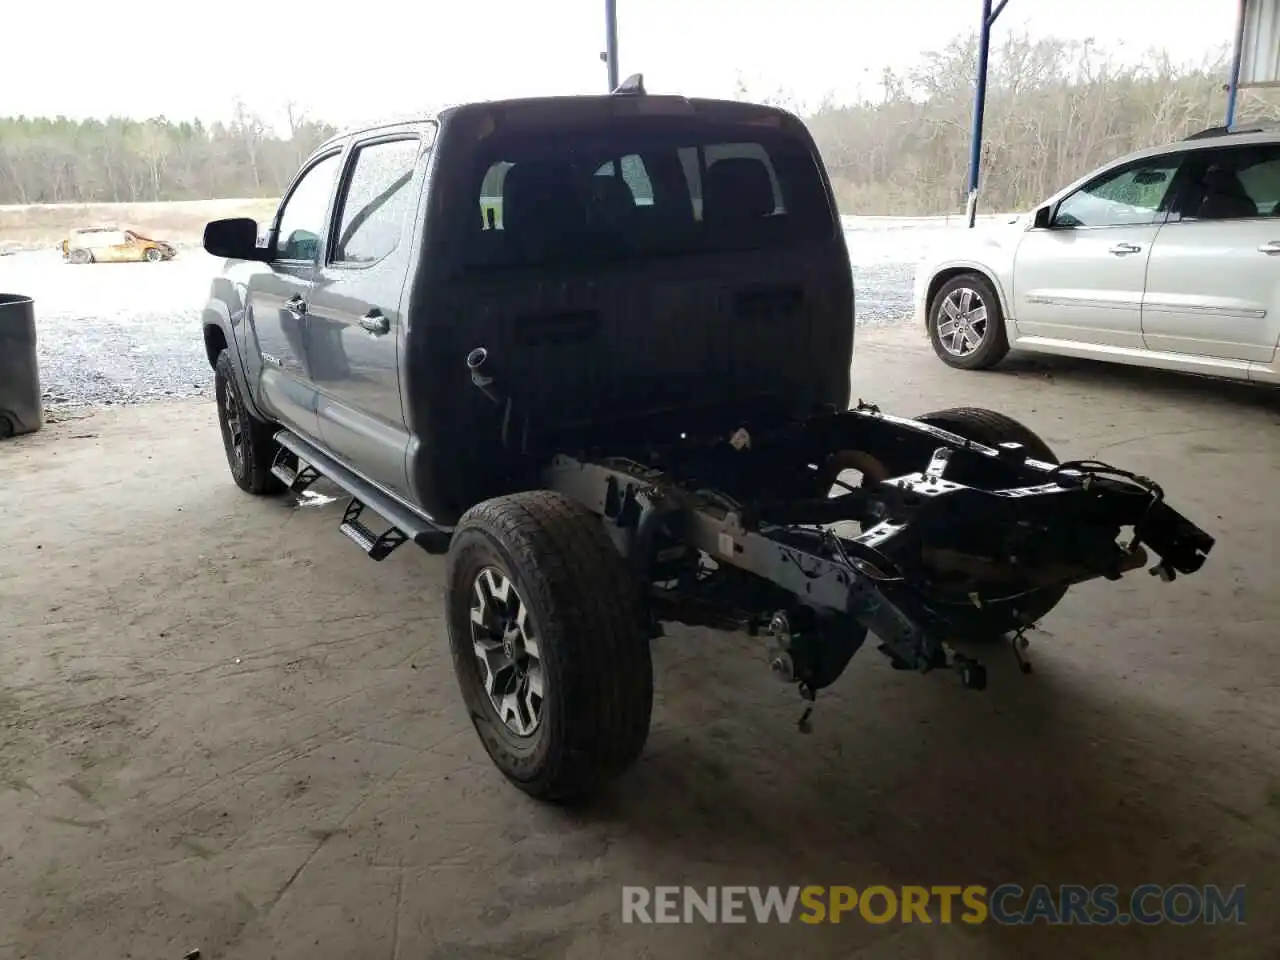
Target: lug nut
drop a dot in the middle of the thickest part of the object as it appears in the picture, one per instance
(780, 626)
(782, 667)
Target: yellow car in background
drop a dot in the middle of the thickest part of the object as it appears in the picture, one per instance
(114, 245)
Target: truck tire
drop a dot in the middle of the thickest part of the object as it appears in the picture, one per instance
(549, 643)
(991, 428)
(983, 318)
(247, 441)
(79, 257)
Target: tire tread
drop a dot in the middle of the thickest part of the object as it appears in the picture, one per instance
(990, 427)
(260, 450)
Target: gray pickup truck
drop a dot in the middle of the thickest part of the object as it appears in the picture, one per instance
(597, 351)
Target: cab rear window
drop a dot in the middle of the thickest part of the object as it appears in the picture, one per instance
(628, 194)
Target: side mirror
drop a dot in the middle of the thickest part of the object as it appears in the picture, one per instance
(235, 239)
(1043, 219)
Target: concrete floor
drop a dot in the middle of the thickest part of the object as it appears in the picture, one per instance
(221, 728)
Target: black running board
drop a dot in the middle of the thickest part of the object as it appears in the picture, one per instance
(310, 463)
(377, 546)
(296, 475)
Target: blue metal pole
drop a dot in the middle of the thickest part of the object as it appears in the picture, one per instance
(1233, 84)
(979, 108)
(611, 41)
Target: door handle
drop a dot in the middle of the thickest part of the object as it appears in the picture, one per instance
(376, 322)
(296, 305)
(1124, 249)
(1271, 246)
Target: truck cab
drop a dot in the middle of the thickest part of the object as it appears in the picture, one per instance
(620, 259)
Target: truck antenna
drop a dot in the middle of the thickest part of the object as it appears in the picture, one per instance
(634, 84)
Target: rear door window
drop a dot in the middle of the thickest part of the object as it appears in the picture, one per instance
(377, 201)
(622, 194)
(1234, 183)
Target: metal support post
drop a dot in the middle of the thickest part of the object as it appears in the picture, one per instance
(989, 16)
(1233, 84)
(611, 42)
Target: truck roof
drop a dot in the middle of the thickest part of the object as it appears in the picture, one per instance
(585, 107)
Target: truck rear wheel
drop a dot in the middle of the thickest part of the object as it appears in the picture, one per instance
(548, 643)
(991, 428)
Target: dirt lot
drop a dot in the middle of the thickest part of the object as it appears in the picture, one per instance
(222, 728)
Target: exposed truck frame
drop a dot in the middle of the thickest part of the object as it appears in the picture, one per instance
(915, 526)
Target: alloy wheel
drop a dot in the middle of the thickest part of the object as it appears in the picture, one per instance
(235, 426)
(962, 321)
(506, 650)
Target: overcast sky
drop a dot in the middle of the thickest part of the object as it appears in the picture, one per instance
(190, 58)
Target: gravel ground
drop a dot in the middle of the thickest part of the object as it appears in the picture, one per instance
(115, 334)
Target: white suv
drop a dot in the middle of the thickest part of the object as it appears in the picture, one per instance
(1168, 257)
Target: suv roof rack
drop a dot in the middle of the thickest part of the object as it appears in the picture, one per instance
(632, 86)
(1224, 131)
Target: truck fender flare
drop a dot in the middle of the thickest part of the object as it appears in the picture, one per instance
(220, 334)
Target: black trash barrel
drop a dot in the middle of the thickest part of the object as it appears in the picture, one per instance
(20, 410)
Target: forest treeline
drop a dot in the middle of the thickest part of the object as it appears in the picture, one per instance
(1055, 109)
(58, 160)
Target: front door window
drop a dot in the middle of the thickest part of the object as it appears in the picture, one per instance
(303, 216)
(1132, 196)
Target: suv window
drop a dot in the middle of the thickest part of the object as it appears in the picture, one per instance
(1131, 196)
(633, 191)
(302, 218)
(1235, 183)
(377, 201)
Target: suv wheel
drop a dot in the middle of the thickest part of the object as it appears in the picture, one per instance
(549, 643)
(248, 442)
(966, 326)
